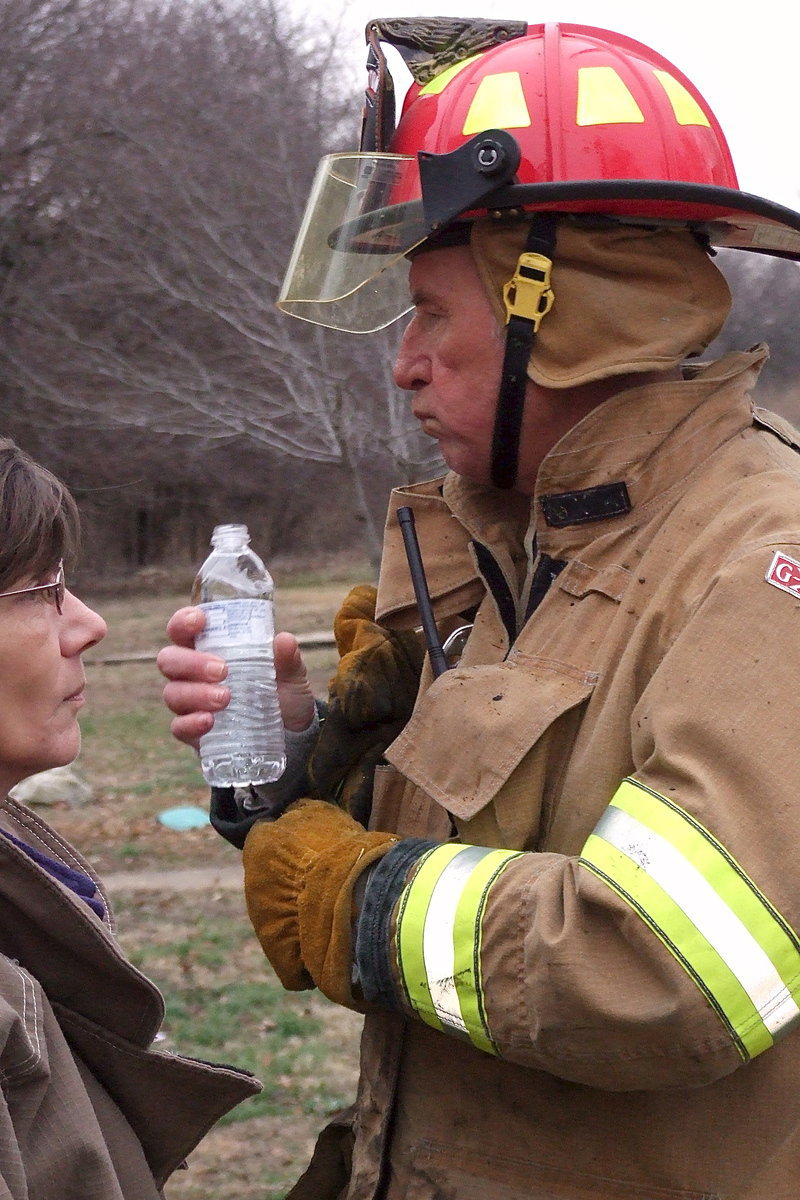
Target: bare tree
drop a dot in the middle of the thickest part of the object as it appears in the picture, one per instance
(163, 154)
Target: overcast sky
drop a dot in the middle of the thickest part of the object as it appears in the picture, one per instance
(743, 59)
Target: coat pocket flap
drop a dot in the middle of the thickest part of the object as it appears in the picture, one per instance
(579, 579)
(474, 726)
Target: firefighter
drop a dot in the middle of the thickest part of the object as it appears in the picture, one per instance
(558, 877)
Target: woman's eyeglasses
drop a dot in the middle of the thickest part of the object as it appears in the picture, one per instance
(52, 592)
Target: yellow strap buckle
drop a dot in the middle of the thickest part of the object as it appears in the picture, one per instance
(528, 292)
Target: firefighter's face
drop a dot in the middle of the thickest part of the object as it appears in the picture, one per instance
(451, 359)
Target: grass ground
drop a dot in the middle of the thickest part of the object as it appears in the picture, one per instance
(223, 1000)
(224, 1004)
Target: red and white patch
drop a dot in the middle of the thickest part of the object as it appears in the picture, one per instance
(784, 573)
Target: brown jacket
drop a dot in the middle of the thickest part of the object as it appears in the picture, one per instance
(87, 1108)
(658, 652)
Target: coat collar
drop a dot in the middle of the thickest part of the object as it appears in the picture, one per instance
(621, 458)
(639, 444)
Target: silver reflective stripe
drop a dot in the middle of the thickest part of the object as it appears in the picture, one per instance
(700, 902)
(438, 949)
(711, 916)
(438, 937)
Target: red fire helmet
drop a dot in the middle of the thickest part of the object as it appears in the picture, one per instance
(505, 118)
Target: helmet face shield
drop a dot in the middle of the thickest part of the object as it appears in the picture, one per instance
(348, 269)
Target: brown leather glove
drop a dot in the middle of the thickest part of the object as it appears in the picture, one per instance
(299, 875)
(370, 699)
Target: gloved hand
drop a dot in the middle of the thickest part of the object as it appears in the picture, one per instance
(299, 875)
(370, 699)
(234, 811)
(228, 815)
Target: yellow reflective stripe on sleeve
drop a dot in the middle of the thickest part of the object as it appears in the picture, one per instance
(687, 110)
(698, 900)
(438, 938)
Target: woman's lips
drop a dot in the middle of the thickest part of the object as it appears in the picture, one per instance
(77, 696)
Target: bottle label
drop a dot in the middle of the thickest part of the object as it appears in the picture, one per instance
(236, 624)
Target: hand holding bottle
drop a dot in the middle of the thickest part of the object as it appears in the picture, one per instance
(196, 688)
(223, 691)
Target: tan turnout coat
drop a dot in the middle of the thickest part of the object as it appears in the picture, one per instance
(660, 652)
(88, 1110)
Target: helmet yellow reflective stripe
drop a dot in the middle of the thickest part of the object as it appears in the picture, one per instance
(687, 110)
(438, 937)
(440, 81)
(604, 99)
(712, 917)
(499, 104)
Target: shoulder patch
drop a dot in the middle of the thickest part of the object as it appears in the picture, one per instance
(784, 573)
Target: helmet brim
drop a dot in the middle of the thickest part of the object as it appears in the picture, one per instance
(727, 217)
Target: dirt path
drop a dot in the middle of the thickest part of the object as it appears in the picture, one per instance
(185, 879)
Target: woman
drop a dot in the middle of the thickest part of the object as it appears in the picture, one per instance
(86, 1108)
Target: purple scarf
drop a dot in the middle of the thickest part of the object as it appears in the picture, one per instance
(75, 880)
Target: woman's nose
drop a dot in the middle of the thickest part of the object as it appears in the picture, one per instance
(82, 626)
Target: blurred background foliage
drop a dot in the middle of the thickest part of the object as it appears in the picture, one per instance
(155, 159)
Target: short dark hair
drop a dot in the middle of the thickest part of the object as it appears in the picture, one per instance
(39, 522)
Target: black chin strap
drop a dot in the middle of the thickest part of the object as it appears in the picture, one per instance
(528, 298)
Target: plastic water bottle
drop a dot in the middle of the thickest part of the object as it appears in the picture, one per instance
(233, 587)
